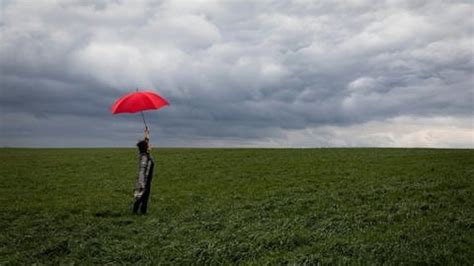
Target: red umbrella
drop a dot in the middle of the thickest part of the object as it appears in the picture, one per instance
(137, 102)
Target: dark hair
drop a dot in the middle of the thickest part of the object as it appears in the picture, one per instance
(143, 145)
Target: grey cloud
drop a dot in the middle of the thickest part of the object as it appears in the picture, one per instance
(235, 71)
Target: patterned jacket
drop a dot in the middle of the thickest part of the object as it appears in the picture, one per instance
(145, 174)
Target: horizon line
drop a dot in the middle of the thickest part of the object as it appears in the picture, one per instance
(242, 147)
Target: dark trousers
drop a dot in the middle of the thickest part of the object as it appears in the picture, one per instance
(142, 202)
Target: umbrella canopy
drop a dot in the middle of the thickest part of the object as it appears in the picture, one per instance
(137, 102)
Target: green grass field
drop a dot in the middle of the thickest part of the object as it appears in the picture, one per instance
(249, 206)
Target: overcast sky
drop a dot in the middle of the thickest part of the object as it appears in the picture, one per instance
(237, 73)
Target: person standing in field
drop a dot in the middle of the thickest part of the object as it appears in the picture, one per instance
(145, 174)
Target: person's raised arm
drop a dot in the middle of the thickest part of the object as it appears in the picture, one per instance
(147, 133)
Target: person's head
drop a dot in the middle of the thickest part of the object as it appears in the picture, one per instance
(143, 146)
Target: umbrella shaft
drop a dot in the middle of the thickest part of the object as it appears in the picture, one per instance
(143, 117)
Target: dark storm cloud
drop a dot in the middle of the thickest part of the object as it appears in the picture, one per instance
(235, 72)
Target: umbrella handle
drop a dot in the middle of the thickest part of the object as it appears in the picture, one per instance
(144, 122)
